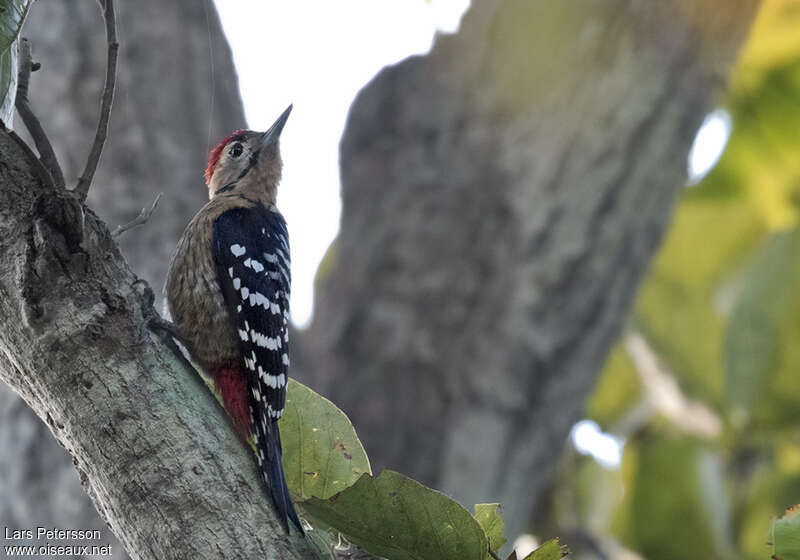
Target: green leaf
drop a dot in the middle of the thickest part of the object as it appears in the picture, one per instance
(488, 516)
(752, 337)
(12, 16)
(687, 295)
(400, 519)
(773, 486)
(785, 535)
(322, 454)
(550, 550)
(667, 518)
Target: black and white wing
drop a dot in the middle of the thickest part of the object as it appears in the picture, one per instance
(251, 254)
(251, 251)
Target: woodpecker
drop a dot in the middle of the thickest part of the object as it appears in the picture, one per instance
(227, 292)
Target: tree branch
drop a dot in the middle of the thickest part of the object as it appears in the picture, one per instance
(153, 447)
(664, 394)
(48, 155)
(85, 181)
(139, 220)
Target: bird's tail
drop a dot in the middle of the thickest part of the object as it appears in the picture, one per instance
(268, 445)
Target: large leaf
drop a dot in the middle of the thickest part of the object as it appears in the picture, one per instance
(488, 516)
(666, 517)
(785, 535)
(691, 286)
(322, 454)
(752, 338)
(12, 16)
(400, 519)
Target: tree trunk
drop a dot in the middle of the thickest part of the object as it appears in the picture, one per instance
(502, 197)
(166, 111)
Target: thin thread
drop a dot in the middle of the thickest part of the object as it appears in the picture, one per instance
(211, 67)
(122, 91)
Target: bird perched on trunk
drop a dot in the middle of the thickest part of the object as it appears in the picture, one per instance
(228, 290)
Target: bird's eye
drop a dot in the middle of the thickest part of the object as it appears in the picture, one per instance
(236, 150)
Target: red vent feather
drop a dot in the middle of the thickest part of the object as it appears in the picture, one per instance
(216, 153)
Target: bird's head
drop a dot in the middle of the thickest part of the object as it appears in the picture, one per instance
(248, 162)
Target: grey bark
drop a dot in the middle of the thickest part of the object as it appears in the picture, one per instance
(162, 122)
(502, 197)
(152, 446)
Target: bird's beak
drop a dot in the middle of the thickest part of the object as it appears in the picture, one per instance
(274, 131)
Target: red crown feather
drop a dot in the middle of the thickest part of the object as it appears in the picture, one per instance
(216, 153)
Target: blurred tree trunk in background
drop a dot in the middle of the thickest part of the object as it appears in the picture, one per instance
(502, 197)
(166, 111)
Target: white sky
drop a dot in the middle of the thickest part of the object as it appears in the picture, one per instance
(317, 55)
(709, 144)
(589, 439)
